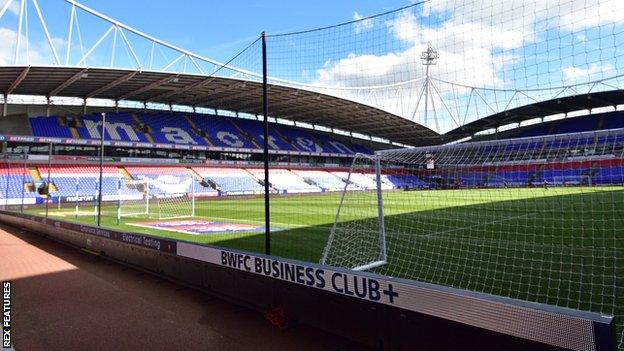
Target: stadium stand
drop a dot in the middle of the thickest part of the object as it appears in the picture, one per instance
(221, 131)
(519, 168)
(14, 182)
(285, 181)
(168, 128)
(255, 131)
(168, 180)
(192, 129)
(49, 126)
(599, 121)
(120, 126)
(404, 181)
(230, 181)
(72, 180)
(324, 180)
(302, 140)
(357, 180)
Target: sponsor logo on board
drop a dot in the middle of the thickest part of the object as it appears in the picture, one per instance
(200, 227)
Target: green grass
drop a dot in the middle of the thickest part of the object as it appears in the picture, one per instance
(562, 246)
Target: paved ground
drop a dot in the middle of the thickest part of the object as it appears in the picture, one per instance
(64, 299)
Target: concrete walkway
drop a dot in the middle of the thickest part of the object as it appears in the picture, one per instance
(63, 299)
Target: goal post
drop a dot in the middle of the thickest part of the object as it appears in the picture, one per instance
(133, 198)
(366, 251)
(175, 200)
(85, 197)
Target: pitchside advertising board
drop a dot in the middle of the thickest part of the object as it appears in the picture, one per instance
(560, 327)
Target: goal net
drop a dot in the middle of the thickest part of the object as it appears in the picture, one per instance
(175, 198)
(500, 217)
(133, 198)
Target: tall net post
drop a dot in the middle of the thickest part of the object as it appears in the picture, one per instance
(23, 184)
(192, 196)
(119, 181)
(76, 207)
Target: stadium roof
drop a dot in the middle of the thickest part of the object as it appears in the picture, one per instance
(539, 109)
(213, 92)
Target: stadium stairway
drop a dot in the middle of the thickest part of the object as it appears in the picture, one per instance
(305, 180)
(37, 178)
(72, 126)
(246, 134)
(125, 174)
(35, 174)
(138, 122)
(200, 133)
(203, 182)
(195, 174)
(284, 138)
(261, 181)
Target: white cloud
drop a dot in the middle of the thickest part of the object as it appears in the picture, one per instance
(590, 13)
(361, 24)
(594, 71)
(533, 15)
(467, 55)
(30, 52)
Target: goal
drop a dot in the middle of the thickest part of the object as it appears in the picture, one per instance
(537, 219)
(174, 199)
(360, 244)
(133, 198)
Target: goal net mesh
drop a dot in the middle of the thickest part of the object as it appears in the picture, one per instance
(538, 219)
(174, 199)
(133, 198)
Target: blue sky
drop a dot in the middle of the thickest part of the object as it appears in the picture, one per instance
(219, 29)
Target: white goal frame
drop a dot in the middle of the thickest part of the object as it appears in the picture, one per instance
(161, 201)
(143, 203)
(382, 259)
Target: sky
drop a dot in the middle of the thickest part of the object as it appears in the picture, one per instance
(219, 29)
(493, 55)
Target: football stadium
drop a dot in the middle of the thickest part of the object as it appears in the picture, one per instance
(444, 167)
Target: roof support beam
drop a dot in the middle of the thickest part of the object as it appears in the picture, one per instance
(68, 82)
(149, 86)
(111, 85)
(18, 80)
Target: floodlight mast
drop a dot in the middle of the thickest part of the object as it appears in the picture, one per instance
(429, 57)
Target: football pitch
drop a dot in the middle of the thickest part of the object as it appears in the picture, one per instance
(562, 245)
(301, 223)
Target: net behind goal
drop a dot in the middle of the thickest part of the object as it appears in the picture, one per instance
(537, 219)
